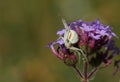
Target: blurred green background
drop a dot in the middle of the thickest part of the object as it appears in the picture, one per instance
(27, 26)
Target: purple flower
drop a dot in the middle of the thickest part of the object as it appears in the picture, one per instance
(63, 53)
(92, 41)
(86, 27)
(94, 38)
(60, 41)
(61, 32)
(51, 45)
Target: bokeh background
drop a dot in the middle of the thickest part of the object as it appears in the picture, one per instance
(27, 26)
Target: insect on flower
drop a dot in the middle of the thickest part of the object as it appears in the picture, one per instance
(91, 40)
(70, 38)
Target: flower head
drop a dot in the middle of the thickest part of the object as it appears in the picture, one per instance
(92, 40)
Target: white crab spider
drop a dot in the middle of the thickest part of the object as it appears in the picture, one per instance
(71, 37)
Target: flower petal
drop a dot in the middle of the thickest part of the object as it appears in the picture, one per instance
(61, 32)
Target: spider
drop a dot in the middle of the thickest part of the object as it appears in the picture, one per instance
(70, 38)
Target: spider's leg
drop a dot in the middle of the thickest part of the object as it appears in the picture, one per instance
(65, 24)
(61, 38)
(79, 54)
(74, 48)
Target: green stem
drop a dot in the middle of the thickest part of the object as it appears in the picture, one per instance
(85, 69)
(92, 72)
(85, 80)
(78, 71)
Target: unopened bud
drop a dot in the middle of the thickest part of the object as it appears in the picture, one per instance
(71, 60)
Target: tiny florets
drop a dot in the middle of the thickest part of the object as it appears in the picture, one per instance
(92, 40)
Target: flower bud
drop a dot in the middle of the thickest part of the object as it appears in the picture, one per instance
(71, 60)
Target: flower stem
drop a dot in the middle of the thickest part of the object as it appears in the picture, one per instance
(92, 72)
(85, 80)
(77, 71)
(85, 69)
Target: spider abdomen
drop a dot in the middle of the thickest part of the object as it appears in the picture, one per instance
(72, 37)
